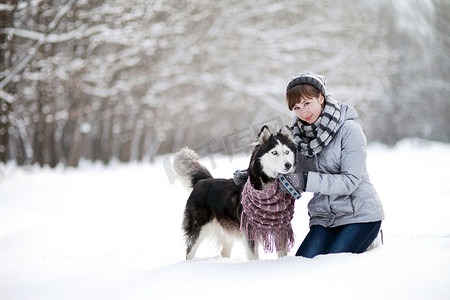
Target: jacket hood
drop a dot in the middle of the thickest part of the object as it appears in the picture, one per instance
(347, 113)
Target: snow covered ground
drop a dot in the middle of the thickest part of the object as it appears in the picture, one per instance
(114, 233)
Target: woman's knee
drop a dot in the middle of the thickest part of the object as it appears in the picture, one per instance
(316, 242)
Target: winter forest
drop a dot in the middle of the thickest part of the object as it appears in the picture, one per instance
(130, 80)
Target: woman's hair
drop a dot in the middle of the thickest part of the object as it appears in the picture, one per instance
(300, 91)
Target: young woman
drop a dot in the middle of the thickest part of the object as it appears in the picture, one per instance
(345, 212)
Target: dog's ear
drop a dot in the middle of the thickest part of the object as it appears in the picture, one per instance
(286, 132)
(263, 135)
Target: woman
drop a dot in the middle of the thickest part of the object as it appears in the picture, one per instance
(345, 212)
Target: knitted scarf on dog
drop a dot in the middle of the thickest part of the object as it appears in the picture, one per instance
(266, 216)
(312, 138)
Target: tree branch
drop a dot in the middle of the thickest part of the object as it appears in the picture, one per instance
(24, 62)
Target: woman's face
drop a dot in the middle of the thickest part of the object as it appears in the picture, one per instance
(309, 109)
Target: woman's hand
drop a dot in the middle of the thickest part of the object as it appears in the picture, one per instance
(240, 177)
(296, 181)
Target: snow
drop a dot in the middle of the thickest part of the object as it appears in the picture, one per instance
(113, 232)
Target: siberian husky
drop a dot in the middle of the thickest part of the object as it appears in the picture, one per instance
(214, 207)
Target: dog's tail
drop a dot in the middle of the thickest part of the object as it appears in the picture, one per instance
(187, 166)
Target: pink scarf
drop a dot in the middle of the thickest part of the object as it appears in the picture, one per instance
(266, 216)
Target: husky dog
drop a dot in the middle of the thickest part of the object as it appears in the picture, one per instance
(214, 207)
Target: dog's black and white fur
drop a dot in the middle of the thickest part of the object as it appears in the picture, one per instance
(214, 205)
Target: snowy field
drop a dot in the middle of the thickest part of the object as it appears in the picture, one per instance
(114, 233)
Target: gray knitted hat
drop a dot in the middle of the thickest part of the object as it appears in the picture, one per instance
(317, 81)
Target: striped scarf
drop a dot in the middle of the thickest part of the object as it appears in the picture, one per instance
(312, 138)
(266, 216)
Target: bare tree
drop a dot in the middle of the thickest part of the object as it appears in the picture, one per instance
(6, 91)
(128, 80)
(416, 102)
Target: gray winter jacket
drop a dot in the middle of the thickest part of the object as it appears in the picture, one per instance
(339, 180)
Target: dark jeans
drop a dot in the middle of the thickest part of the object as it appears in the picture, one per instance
(354, 238)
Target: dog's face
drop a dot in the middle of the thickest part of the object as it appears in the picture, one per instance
(277, 152)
